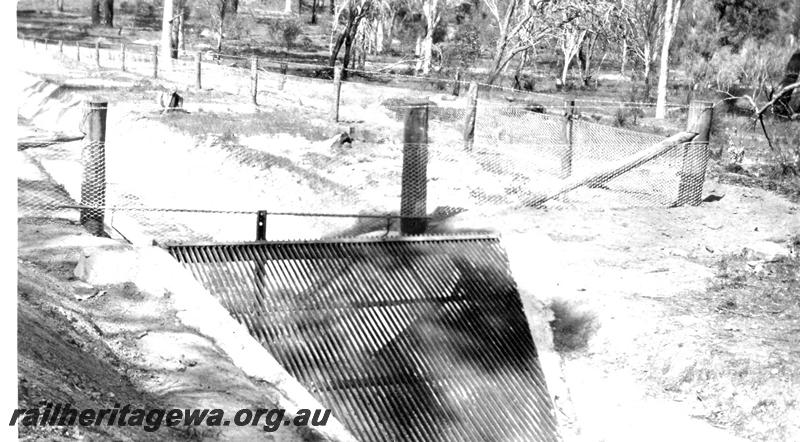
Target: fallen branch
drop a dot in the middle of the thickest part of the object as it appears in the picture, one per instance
(614, 170)
(776, 96)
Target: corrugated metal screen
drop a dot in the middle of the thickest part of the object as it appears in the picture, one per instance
(415, 338)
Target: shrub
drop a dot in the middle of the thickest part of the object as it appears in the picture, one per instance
(571, 327)
(284, 31)
(464, 49)
(627, 116)
(239, 26)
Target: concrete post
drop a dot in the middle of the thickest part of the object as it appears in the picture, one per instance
(261, 225)
(284, 67)
(695, 154)
(469, 121)
(155, 61)
(337, 89)
(567, 138)
(254, 79)
(93, 159)
(415, 177)
(198, 60)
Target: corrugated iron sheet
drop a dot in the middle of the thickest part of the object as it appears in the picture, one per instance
(414, 338)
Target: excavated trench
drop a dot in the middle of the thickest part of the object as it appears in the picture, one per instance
(416, 338)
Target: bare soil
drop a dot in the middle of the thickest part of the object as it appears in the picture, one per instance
(99, 346)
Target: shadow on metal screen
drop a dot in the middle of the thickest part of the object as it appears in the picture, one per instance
(411, 338)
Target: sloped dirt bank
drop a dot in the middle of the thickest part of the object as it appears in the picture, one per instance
(113, 341)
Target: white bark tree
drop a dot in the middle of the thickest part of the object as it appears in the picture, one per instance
(166, 28)
(644, 31)
(347, 20)
(433, 14)
(672, 12)
(217, 10)
(520, 25)
(571, 40)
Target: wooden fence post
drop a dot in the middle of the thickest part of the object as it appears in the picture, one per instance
(567, 138)
(198, 63)
(284, 67)
(93, 159)
(122, 56)
(78, 51)
(695, 154)
(46, 41)
(254, 79)
(261, 225)
(155, 61)
(469, 121)
(457, 83)
(61, 46)
(97, 53)
(34, 43)
(415, 177)
(337, 89)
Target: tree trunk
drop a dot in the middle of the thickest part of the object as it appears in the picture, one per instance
(430, 9)
(175, 38)
(387, 45)
(379, 36)
(499, 62)
(166, 28)
(337, 46)
(670, 22)
(333, 7)
(108, 13)
(348, 46)
(363, 48)
(648, 81)
(60, 5)
(565, 71)
(233, 6)
(624, 57)
(181, 20)
(426, 50)
(94, 11)
(287, 7)
(648, 69)
(220, 29)
(313, 12)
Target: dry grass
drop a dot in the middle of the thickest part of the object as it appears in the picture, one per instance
(269, 121)
(746, 373)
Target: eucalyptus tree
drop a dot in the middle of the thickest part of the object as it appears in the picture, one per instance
(519, 25)
(347, 19)
(672, 11)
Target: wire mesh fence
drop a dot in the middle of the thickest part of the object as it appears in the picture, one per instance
(516, 155)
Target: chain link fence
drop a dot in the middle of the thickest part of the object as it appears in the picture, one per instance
(516, 155)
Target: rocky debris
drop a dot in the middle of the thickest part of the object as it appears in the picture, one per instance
(341, 141)
(528, 105)
(171, 101)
